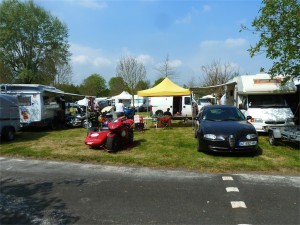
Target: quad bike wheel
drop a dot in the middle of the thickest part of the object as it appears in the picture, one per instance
(113, 143)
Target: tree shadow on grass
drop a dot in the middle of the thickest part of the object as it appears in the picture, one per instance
(31, 203)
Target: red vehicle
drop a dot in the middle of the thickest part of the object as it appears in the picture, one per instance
(117, 134)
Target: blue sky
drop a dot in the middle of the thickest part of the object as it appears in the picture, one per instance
(192, 33)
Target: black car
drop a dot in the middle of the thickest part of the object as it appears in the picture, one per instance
(221, 128)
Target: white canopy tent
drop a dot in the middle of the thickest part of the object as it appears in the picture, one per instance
(125, 96)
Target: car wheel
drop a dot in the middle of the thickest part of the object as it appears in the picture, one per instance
(113, 143)
(272, 139)
(199, 148)
(9, 133)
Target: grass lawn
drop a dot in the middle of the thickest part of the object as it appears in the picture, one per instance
(172, 148)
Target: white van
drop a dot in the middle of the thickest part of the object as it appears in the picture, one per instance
(180, 106)
(9, 116)
(262, 98)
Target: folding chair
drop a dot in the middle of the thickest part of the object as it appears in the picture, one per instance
(138, 123)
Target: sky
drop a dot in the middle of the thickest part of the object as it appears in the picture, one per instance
(191, 33)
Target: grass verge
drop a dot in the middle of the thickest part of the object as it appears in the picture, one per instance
(171, 148)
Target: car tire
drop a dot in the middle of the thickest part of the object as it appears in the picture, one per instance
(9, 133)
(199, 147)
(272, 139)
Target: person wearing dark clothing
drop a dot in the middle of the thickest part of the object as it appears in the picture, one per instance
(167, 113)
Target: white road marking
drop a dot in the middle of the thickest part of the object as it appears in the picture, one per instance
(227, 178)
(232, 189)
(238, 204)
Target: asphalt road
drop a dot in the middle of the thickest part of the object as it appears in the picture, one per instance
(49, 192)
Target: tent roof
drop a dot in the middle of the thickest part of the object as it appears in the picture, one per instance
(165, 88)
(124, 96)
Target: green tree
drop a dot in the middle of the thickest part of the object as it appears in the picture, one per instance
(279, 29)
(33, 43)
(156, 82)
(116, 86)
(132, 73)
(94, 85)
(142, 85)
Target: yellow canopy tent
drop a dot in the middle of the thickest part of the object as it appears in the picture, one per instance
(165, 88)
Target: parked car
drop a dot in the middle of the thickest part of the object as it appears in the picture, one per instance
(221, 128)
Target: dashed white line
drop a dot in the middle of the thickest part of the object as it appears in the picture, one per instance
(232, 189)
(238, 204)
(227, 178)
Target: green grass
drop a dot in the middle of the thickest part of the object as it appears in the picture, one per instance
(172, 148)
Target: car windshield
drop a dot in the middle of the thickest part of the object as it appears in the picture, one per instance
(266, 101)
(203, 100)
(223, 114)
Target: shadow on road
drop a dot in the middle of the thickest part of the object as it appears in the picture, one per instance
(31, 203)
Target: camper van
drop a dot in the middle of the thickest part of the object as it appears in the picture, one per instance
(9, 117)
(261, 97)
(39, 105)
(180, 106)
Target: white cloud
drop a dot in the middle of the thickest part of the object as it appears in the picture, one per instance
(145, 59)
(95, 4)
(206, 8)
(228, 43)
(87, 60)
(184, 20)
(175, 63)
(100, 61)
(81, 59)
(231, 42)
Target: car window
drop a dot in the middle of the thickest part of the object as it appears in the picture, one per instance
(223, 114)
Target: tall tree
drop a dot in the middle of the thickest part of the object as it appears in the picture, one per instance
(94, 85)
(166, 69)
(132, 73)
(142, 85)
(116, 86)
(278, 27)
(33, 43)
(215, 74)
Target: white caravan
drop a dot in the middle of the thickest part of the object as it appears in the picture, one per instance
(180, 106)
(262, 98)
(9, 116)
(39, 105)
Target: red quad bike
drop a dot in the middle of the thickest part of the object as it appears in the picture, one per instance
(117, 134)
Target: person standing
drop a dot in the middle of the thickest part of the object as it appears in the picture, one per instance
(120, 108)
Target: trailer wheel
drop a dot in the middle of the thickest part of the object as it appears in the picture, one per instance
(272, 139)
(113, 143)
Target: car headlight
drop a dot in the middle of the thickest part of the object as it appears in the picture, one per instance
(251, 136)
(210, 136)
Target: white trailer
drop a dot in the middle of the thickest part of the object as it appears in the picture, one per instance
(39, 105)
(180, 106)
(9, 117)
(261, 97)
